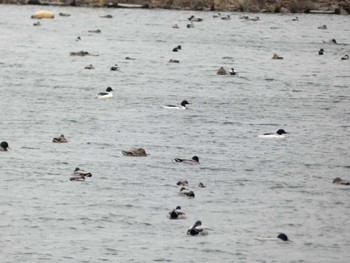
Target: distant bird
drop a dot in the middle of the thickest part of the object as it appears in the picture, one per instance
(322, 27)
(37, 24)
(194, 160)
(89, 67)
(63, 14)
(191, 25)
(226, 17)
(174, 61)
(79, 175)
(78, 38)
(4, 146)
(95, 31)
(105, 94)
(295, 19)
(330, 41)
(115, 67)
(232, 72)
(201, 185)
(338, 180)
(175, 26)
(60, 139)
(197, 229)
(221, 71)
(280, 236)
(321, 51)
(186, 192)
(181, 107)
(140, 152)
(279, 134)
(176, 49)
(182, 182)
(177, 213)
(346, 57)
(107, 16)
(275, 56)
(129, 58)
(195, 19)
(217, 15)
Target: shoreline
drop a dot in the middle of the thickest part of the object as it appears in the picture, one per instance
(250, 6)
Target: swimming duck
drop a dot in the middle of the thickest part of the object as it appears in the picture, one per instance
(275, 56)
(194, 160)
(177, 213)
(37, 24)
(255, 18)
(244, 17)
(195, 19)
(79, 175)
(4, 146)
(135, 152)
(107, 16)
(197, 229)
(201, 185)
(89, 67)
(221, 71)
(295, 19)
(60, 139)
(182, 182)
(115, 67)
(174, 61)
(280, 236)
(95, 31)
(129, 58)
(279, 134)
(226, 17)
(181, 107)
(175, 26)
(217, 15)
(346, 57)
(330, 41)
(63, 14)
(105, 94)
(190, 25)
(186, 192)
(232, 72)
(338, 180)
(322, 27)
(78, 38)
(321, 51)
(176, 49)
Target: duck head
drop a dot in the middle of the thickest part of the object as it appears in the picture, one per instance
(4, 145)
(281, 131)
(109, 89)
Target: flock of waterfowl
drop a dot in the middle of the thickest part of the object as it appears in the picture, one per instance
(197, 228)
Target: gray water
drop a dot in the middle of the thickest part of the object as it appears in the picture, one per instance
(255, 187)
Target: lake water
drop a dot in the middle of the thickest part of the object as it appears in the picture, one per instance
(255, 187)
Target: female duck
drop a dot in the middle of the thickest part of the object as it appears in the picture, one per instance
(4, 147)
(105, 94)
(197, 229)
(60, 139)
(79, 175)
(186, 192)
(177, 213)
(338, 180)
(181, 107)
(279, 134)
(194, 160)
(135, 152)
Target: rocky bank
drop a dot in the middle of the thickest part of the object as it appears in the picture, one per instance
(273, 6)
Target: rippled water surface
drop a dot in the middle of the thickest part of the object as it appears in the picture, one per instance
(255, 187)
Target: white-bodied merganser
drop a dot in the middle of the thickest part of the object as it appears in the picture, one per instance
(105, 94)
(279, 134)
(181, 107)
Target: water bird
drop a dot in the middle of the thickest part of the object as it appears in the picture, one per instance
(60, 139)
(201, 185)
(107, 16)
(232, 71)
(181, 107)
(177, 213)
(227, 17)
(195, 19)
(129, 58)
(105, 94)
(280, 236)
(322, 27)
(279, 134)
(338, 180)
(221, 71)
(115, 67)
(89, 67)
(197, 229)
(140, 152)
(97, 31)
(346, 57)
(4, 146)
(63, 14)
(175, 26)
(79, 175)
(295, 19)
(174, 61)
(78, 38)
(275, 56)
(194, 160)
(176, 49)
(37, 24)
(191, 25)
(182, 182)
(217, 15)
(186, 192)
(321, 51)
(330, 41)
